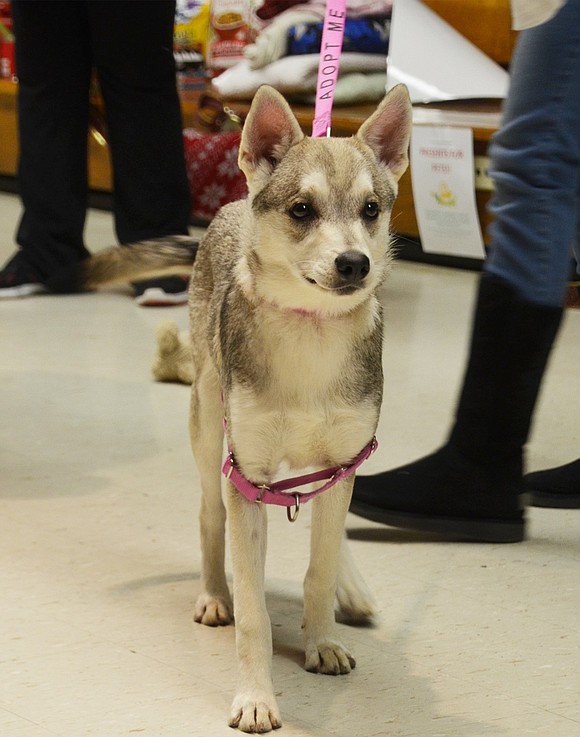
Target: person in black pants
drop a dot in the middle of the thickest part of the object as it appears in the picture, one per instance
(130, 46)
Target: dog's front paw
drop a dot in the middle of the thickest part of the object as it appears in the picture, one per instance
(329, 657)
(255, 712)
(214, 611)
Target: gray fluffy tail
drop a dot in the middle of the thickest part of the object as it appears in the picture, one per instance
(149, 259)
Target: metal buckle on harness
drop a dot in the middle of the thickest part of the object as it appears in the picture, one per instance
(232, 463)
(336, 474)
(263, 489)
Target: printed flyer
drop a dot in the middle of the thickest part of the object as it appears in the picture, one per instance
(443, 180)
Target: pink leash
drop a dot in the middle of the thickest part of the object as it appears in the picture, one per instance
(330, 48)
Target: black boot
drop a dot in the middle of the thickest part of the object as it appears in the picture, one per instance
(471, 489)
(555, 487)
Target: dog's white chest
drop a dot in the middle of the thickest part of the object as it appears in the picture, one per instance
(300, 416)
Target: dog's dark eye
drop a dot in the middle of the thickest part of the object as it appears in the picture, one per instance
(371, 210)
(300, 211)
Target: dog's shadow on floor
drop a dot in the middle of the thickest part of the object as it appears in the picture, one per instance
(388, 692)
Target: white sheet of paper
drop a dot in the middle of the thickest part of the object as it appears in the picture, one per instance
(443, 180)
(435, 61)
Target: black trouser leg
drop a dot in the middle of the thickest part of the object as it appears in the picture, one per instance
(133, 53)
(510, 345)
(53, 67)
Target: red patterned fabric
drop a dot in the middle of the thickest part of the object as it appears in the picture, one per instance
(212, 168)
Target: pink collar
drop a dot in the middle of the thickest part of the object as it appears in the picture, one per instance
(304, 313)
(277, 493)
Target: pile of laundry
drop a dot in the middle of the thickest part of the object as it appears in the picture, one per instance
(285, 53)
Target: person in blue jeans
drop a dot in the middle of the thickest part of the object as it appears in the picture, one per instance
(471, 488)
(129, 43)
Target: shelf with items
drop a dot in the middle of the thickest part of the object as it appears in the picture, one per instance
(480, 116)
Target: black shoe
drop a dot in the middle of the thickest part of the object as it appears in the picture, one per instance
(164, 292)
(18, 279)
(446, 494)
(556, 487)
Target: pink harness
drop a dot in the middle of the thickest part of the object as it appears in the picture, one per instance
(277, 493)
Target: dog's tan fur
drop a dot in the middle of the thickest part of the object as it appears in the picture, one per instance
(286, 341)
(292, 355)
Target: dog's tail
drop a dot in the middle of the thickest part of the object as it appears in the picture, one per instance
(158, 257)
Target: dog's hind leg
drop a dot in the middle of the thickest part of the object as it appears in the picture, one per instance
(324, 653)
(355, 601)
(214, 605)
(254, 707)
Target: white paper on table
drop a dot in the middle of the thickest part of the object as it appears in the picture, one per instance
(443, 181)
(435, 61)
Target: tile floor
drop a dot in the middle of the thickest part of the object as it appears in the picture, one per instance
(100, 554)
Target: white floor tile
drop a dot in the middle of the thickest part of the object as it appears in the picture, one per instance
(100, 558)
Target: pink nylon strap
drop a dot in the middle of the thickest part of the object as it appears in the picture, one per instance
(330, 48)
(277, 493)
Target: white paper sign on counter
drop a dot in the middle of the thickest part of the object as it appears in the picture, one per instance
(443, 180)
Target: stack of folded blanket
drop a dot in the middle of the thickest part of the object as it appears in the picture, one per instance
(286, 52)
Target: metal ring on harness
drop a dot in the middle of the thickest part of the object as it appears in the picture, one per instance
(293, 514)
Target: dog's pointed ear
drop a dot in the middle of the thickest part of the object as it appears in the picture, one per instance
(388, 130)
(269, 131)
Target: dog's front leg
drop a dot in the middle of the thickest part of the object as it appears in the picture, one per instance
(213, 606)
(254, 708)
(324, 653)
(355, 601)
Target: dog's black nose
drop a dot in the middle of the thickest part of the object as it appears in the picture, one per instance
(353, 266)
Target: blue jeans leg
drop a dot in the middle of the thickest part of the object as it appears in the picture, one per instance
(536, 163)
